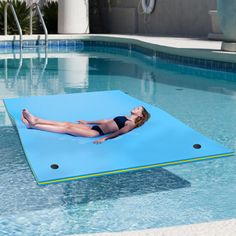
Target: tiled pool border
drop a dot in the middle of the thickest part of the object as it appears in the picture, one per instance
(79, 44)
(190, 61)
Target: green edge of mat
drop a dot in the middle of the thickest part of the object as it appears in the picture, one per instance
(135, 169)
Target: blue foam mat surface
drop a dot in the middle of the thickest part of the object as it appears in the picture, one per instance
(161, 141)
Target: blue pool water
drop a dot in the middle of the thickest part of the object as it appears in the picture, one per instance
(182, 194)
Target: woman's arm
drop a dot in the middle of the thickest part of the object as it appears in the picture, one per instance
(93, 122)
(119, 132)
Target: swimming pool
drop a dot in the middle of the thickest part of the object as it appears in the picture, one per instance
(182, 194)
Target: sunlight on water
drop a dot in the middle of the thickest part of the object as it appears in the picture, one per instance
(183, 194)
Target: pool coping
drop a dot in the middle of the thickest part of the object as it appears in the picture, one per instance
(217, 228)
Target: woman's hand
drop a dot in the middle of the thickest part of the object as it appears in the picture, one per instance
(99, 141)
(82, 122)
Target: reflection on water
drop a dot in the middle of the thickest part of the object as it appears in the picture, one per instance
(41, 76)
(74, 72)
(49, 75)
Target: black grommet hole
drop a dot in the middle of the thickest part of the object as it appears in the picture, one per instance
(197, 146)
(54, 166)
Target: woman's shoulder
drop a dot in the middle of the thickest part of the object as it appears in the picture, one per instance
(130, 123)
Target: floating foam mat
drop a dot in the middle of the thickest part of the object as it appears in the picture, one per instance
(161, 141)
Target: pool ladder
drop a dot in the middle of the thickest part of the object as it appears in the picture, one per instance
(10, 84)
(34, 5)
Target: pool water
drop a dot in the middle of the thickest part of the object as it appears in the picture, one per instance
(182, 194)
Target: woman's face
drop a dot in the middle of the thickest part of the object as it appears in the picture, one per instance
(137, 111)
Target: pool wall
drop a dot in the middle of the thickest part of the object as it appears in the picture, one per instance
(204, 58)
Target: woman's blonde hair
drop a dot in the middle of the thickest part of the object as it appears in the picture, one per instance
(140, 120)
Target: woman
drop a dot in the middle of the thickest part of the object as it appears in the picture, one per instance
(113, 127)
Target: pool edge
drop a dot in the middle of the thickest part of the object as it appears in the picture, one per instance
(207, 52)
(215, 228)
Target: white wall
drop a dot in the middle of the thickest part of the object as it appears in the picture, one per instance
(73, 16)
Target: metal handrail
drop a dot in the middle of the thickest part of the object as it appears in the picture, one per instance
(41, 19)
(44, 67)
(16, 20)
(11, 84)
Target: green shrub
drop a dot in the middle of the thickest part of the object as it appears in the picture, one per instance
(50, 13)
(22, 12)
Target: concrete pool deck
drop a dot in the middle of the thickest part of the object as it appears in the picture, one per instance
(219, 228)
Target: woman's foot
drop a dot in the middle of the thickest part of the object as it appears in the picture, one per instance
(32, 120)
(27, 124)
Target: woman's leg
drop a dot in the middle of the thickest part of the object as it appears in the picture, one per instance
(36, 120)
(67, 128)
(33, 120)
